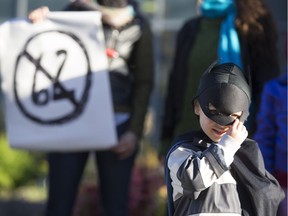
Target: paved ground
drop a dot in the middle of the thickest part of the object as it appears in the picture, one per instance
(21, 208)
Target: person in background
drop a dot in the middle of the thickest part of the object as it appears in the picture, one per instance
(217, 170)
(129, 49)
(238, 31)
(271, 132)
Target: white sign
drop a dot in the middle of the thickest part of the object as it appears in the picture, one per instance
(55, 83)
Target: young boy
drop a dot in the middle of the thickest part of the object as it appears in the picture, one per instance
(218, 170)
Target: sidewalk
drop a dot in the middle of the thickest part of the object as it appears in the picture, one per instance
(21, 208)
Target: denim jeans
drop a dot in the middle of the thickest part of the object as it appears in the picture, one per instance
(65, 173)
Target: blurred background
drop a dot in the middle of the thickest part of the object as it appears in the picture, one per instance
(23, 174)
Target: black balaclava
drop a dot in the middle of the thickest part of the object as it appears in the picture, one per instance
(225, 87)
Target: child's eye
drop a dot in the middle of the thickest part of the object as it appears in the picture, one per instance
(214, 112)
(212, 109)
(236, 115)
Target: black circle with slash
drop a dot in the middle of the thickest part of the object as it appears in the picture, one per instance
(57, 90)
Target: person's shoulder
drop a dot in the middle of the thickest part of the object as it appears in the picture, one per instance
(182, 140)
(190, 140)
(280, 80)
(192, 22)
(188, 28)
(80, 6)
(272, 85)
(249, 143)
(142, 20)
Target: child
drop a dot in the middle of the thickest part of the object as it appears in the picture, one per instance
(218, 170)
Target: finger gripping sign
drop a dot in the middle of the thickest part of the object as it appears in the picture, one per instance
(55, 83)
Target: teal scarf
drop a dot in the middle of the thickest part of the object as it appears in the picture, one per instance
(229, 45)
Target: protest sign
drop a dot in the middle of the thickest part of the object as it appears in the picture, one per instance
(55, 83)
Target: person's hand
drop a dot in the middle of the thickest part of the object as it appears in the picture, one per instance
(162, 160)
(238, 131)
(38, 15)
(126, 146)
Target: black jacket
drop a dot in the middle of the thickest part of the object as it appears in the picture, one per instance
(259, 192)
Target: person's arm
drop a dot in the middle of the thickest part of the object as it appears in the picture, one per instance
(266, 131)
(143, 66)
(192, 172)
(259, 192)
(39, 14)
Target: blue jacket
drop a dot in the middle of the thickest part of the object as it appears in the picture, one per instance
(271, 133)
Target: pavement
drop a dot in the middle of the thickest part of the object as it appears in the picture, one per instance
(21, 208)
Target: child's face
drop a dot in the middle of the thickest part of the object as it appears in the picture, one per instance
(213, 130)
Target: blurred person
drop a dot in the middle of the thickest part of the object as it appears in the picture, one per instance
(238, 31)
(129, 48)
(271, 132)
(217, 170)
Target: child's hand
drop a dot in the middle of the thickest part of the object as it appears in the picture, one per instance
(238, 131)
(38, 15)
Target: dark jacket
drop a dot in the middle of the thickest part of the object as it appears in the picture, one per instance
(133, 76)
(259, 192)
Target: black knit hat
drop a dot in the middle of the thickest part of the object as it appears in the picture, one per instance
(225, 87)
(113, 3)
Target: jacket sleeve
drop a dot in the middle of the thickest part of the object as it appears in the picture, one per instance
(265, 134)
(259, 192)
(143, 66)
(193, 171)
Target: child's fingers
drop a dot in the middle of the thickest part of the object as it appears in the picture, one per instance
(238, 131)
(239, 125)
(236, 124)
